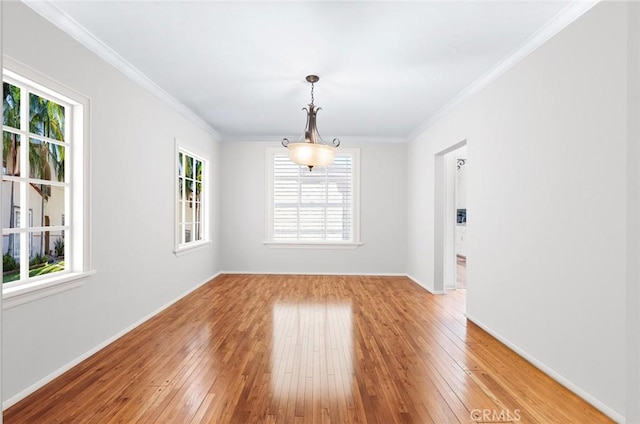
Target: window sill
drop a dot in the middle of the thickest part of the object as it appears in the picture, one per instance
(311, 245)
(29, 292)
(191, 248)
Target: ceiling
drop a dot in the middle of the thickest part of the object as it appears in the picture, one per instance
(385, 67)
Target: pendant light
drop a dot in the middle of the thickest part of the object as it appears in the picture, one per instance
(311, 150)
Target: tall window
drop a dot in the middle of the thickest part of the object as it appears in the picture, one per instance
(42, 131)
(313, 207)
(191, 200)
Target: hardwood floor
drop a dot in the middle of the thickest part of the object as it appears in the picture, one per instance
(306, 349)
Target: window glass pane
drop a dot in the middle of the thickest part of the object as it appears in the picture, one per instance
(11, 257)
(46, 118)
(56, 243)
(198, 175)
(180, 188)
(10, 105)
(198, 231)
(11, 204)
(188, 163)
(46, 160)
(48, 205)
(198, 192)
(198, 211)
(189, 188)
(42, 261)
(10, 154)
(188, 232)
(180, 164)
(183, 209)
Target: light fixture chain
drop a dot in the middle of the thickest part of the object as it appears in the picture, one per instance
(312, 87)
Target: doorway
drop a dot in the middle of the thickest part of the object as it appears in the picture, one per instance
(460, 196)
(451, 218)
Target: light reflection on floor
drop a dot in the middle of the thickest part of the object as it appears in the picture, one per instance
(312, 350)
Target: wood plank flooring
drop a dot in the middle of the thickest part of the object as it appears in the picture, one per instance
(306, 349)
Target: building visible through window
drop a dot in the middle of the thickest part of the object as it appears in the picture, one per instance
(35, 144)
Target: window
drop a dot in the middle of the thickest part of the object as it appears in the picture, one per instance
(43, 179)
(317, 208)
(191, 200)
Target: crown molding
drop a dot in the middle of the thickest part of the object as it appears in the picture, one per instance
(66, 23)
(343, 140)
(561, 20)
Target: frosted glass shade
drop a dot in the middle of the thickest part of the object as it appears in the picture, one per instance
(311, 154)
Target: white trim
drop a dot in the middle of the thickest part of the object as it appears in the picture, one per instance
(346, 140)
(192, 247)
(27, 292)
(337, 274)
(48, 10)
(424, 286)
(311, 245)
(40, 383)
(552, 373)
(561, 20)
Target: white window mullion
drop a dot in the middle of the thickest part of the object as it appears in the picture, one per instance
(183, 205)
(299, 201)
(326, 202)
(24, 185)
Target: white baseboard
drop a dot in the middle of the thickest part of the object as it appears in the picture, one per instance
(40, 383)
(424, 286)
(367, 274)
(617, 417)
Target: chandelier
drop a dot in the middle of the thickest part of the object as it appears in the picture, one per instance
(311, 150)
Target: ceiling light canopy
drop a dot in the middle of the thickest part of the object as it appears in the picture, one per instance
(311, 150)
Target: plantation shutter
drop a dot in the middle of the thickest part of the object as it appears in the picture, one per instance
(313, 206)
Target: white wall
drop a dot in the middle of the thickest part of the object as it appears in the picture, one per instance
(382, 216)
(132, 160)
(633, 219)
(547, 187)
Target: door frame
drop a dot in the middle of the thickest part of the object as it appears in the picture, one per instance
(444, 270)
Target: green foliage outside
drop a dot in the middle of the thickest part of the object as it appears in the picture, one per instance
(37, 260)
(9, 263)
(47, 119)
(46, 268)
(58, 247)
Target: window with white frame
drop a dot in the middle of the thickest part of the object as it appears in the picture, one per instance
(191, 200)
(318, 207)
(44, 156)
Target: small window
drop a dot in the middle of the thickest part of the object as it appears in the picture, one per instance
(318, 207)
(191, 200)
(44, 153)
